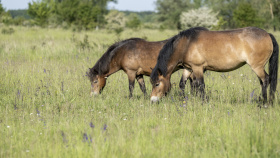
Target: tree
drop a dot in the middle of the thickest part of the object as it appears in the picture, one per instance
(169, 11)
(40, 11)
(245, 15)
(203, 17)
(83, 13)
(2, 10)
(116, 21)
(133, 21)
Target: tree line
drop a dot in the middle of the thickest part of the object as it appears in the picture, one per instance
(169, 14)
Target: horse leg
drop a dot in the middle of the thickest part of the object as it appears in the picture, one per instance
(131, 79)
(186, 74)
(140, 80)
(198, 81)
(264, 81)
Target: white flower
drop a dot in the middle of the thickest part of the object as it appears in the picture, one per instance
(31, 113)
(8, 126)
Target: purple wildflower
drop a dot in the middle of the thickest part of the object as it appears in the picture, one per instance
(38, 112)
(85, 137)
(62, 86)
(105, 127)
(91, 125)
(64, 137)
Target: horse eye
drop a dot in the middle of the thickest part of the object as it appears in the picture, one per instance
(157, 84)
(95, 81)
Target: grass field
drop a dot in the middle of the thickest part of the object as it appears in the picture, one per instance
(46, 110)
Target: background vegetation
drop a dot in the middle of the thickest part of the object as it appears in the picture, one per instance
(46, 110)
(90, 14)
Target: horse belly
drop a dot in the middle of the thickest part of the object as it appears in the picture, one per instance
(223, 65)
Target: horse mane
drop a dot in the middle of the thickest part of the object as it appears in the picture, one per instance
(103, 64)
(168, 49)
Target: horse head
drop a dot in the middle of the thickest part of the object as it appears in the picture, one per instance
(98, 82)
(161, 86)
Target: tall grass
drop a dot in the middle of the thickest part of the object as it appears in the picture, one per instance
(46, 111)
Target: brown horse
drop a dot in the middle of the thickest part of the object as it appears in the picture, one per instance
(135, 56)
(199, 49)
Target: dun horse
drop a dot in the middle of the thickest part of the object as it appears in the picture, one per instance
(198, 49)
(135, 56)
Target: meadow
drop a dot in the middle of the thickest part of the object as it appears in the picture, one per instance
(46, 109)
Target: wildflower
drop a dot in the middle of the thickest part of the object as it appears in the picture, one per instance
(124, 119)
(252, 94)
(85, 137)
(31, 113)
(91, 125)
(38, 112)
(8, 126)
(105, 127)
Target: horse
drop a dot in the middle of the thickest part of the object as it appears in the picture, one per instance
(135, 56)
(198, 49)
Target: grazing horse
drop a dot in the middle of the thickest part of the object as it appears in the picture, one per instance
(135, 56)
(198, 49)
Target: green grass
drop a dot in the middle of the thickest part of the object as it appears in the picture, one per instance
(46, 111)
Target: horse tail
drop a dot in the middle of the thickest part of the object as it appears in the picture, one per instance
(273, 67)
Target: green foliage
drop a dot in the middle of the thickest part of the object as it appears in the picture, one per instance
(169, 11)
(245, 15)
(133, 21)
(220, 25)
(84, 14)
(6, 18)
(116, 21)
(84, 44)
(40, 11)
(2, 10)
(7, 31)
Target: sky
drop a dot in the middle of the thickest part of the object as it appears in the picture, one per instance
(131, 5)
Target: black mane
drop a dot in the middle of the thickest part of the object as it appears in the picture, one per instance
(168, 49)
(102, 65)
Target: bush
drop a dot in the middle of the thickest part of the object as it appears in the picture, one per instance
(7, 31)
(203, 17)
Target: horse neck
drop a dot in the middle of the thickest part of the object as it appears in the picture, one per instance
(112, 69)
(173, 65)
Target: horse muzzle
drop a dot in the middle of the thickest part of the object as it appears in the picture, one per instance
(93, 94)
(154, 99)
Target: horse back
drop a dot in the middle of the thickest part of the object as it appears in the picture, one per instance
(139, 55)
(229, 50)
